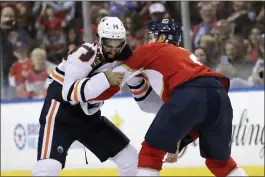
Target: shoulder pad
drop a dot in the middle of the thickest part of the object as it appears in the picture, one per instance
(84, 52)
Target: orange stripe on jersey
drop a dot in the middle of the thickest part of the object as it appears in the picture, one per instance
(56, 76)
(48, 124)
(76, 91)
(141, 90)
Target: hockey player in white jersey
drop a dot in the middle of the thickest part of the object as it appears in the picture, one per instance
(69, 112)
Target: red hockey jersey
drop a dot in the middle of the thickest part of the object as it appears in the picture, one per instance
(166, 66)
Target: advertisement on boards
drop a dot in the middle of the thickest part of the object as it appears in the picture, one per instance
(20, 127)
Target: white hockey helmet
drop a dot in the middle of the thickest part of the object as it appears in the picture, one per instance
(111, 28)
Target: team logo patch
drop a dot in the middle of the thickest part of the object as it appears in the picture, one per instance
(20, 136)
(60, 149)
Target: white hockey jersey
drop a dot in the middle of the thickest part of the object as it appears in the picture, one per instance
(140, 88)
(82, 78)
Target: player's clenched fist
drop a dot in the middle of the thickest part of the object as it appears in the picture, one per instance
(114, 78)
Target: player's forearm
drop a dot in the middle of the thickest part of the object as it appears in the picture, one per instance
(85, 89)
(107, 94)
(129, 74)
(139, 88)
(110, 92)
(151, 104)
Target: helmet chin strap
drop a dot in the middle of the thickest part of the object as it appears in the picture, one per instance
(100, 58)
(101, 51)
(100, 45)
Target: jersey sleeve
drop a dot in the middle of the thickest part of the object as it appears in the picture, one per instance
(143, 94)
(111, 91)
(140, 88)
(77, 87)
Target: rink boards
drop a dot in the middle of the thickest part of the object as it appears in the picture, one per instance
(19, 133)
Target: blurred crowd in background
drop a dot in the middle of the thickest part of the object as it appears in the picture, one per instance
(35, 36)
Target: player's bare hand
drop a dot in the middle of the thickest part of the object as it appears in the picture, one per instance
(171, 158)
(114, 78)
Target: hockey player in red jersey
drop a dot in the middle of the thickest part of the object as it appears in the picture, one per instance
(192, 98)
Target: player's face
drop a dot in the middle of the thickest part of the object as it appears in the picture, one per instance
(111, 47)
(150, 38)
